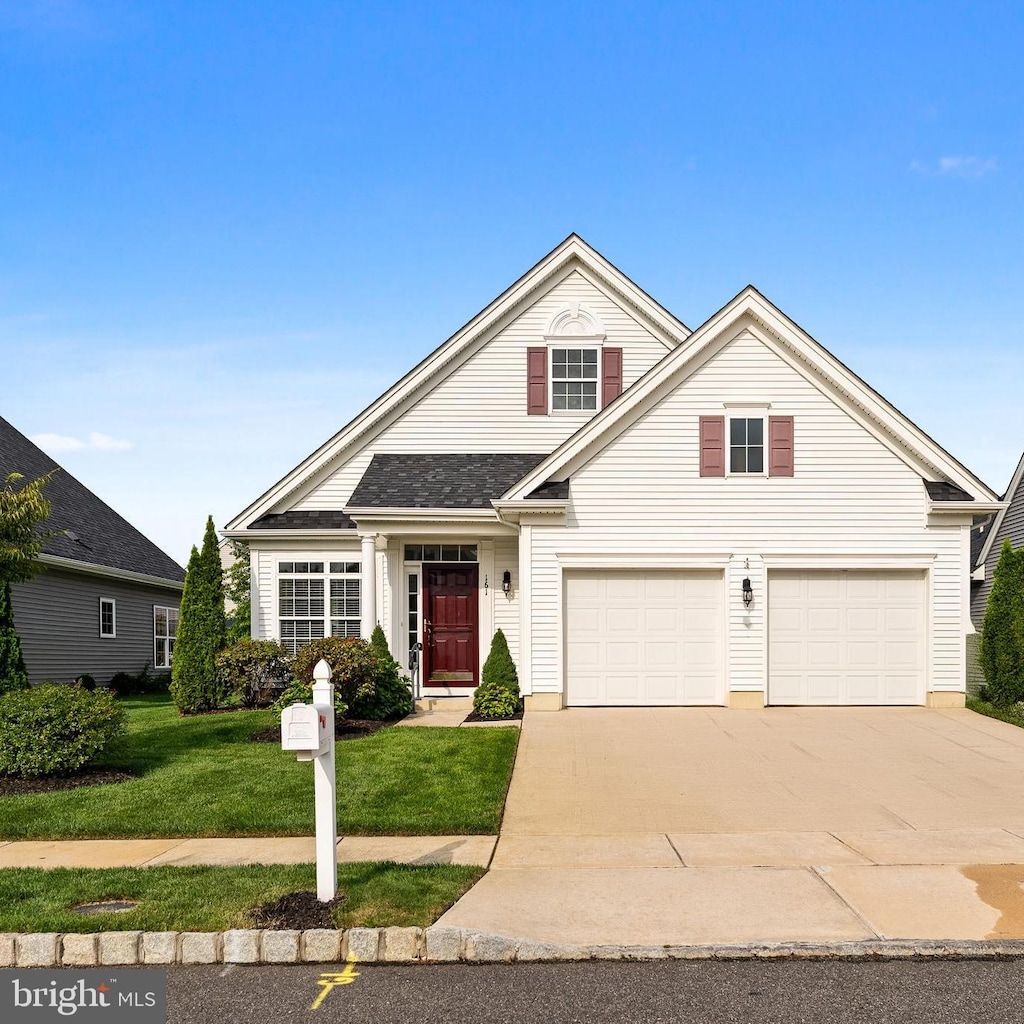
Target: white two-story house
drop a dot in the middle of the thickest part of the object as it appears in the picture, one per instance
(652, 515)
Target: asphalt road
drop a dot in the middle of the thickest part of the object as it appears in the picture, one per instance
(789, 992)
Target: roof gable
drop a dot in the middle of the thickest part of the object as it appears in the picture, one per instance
(572, 255)
(87, 529)
(1014, 496)
(799, 349)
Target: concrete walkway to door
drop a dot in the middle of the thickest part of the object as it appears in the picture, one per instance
(641, 826)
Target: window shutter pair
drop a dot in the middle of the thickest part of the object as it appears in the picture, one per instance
(780, 446)
(537, 378)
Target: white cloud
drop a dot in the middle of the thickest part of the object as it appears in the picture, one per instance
(95, 442)
(957, 167)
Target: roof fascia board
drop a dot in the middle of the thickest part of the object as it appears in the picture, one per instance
(1011, 490)
(678, 365)
(455, 515)
(559, 259)
(960, 507)
(112, 572)
(288, 534)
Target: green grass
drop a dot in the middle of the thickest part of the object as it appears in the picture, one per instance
(213, 899)
(201, 776)
(1014, 714)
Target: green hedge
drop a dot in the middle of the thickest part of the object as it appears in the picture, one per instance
(55, 730)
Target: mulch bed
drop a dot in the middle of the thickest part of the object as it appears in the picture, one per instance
(89, 777)
(296, 910)
(344, 729)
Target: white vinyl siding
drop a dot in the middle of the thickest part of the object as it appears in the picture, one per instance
(481, 405)
(846, 637)
(852, 499)
(643, 638)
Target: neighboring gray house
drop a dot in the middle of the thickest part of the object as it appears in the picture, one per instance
(987, 541)
(107, 598)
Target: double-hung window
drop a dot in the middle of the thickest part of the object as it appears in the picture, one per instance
(574, 379)
(165, 630)
(108, 617)
(317, 599)
(746, 444)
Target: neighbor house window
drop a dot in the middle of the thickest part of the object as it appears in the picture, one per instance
(574, 378)
(746, 445)
(313, 603)
(165, 630)
(108, 617)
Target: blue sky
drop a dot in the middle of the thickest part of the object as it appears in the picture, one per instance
(224, 228)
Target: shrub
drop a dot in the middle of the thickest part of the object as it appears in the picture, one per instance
(249, 669)
(1002, 633)
(202, 631)
(13, 675)
(499, 668)
(55, 730)
(392, 696)
(124, 684)
(86, 682)
(354, 668)
(494, 701)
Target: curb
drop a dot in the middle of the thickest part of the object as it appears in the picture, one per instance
(428, 945)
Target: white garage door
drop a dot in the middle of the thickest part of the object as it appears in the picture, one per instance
(644, 638)
(846, 637)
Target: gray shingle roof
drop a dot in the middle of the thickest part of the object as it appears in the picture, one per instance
(100, 535)
(314, 519)
(940, 490)
(439, 481)
(553, 489)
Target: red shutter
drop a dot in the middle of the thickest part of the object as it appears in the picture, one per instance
(611, 375)
(712, 446)
(537, 381)
(780, 445)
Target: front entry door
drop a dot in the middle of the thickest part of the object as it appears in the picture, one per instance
(450, 624)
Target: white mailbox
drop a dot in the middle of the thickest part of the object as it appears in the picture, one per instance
(304, 729)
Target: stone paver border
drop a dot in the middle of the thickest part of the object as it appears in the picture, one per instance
(426, 945)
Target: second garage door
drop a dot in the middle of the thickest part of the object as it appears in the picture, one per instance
(644, 638)
(846, 637)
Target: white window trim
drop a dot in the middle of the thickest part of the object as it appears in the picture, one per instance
(167, 609)
(567, 341)
(112, 635)
(319, 556)
(746, 413)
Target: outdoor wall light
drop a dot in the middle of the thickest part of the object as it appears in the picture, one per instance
(506, 582)
(748, 592)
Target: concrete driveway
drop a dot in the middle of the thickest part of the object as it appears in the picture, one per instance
(653, 826)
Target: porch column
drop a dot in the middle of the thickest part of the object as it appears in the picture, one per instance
(368, 597)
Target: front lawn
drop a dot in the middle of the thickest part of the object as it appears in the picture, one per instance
(213, 899)
(202, 776)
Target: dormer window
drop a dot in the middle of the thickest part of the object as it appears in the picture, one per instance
(573, 379)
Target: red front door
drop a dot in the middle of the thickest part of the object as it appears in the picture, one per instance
(450, 624)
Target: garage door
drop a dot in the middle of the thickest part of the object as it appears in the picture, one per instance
(644, 638)
(846, 637)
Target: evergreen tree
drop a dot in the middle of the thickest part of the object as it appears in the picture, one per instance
(1002, 632)
(379, 645)
(23, 510)
(195, 683)
(499, 668)
(12, 667)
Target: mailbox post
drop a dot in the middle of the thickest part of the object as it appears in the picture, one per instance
(308, 729)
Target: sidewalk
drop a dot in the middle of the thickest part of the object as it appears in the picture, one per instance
(120, 853)
(683, 890)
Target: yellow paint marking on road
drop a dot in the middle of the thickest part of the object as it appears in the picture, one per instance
(331, 980)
